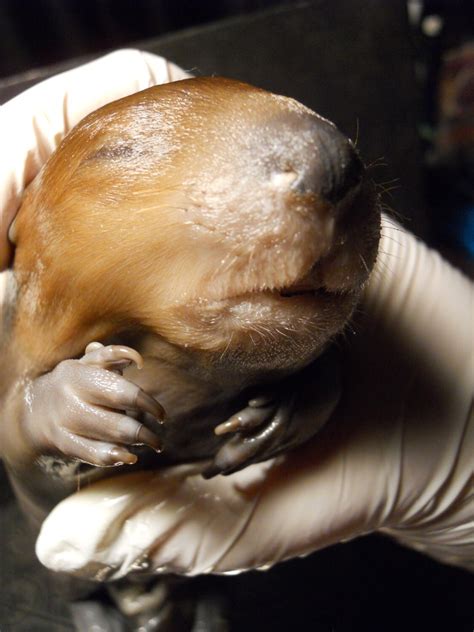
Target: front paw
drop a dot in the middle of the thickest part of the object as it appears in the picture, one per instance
(84, 409)
(258, 433)
(280, 420)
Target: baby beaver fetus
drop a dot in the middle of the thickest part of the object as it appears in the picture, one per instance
(208, 232)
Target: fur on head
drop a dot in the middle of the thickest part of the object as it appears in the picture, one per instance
(203, 212)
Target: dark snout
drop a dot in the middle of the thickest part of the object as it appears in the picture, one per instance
(332, 180)
(334, 169)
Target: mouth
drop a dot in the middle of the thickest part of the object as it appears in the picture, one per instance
(312, 284)
(309, 289)
(297, 291)
(281, 306)
(280, 329)
(303, 289)
(265, 329)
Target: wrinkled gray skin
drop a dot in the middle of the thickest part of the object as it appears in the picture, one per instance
(215, 233)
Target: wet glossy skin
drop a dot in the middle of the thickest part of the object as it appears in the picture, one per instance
(223, 232)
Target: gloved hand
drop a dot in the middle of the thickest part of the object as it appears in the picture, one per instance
(31, 127)
(396, 457)
(34, 123)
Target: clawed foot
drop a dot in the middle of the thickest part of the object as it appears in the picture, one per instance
(281, 420)
(85, 409)
(258, 433)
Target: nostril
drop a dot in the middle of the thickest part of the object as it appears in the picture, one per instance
(343, 169)
(337, 168)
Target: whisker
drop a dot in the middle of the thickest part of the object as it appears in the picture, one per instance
(282, 333)
(227, 346)
(376, 163)
(381, 272)
(390, 221)
(364, 263)
(391, 238)
(398, 215)
(357, 132)
(387, 182)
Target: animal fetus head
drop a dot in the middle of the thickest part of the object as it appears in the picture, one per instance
(223, 219)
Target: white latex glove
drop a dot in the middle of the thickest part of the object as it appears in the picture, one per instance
(34, 123)
(397, 456)
(31, 127)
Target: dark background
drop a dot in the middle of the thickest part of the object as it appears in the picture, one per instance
(366, 66)
(36, 33)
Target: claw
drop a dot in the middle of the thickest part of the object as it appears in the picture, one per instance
(150, 405)
(271, 419)
(111, 357)
(259, 402)
(231, 425)
(246, 419)
(93, 346)
(123, 456)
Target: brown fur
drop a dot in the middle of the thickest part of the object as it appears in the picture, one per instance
(187, 221)
(158, 208)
